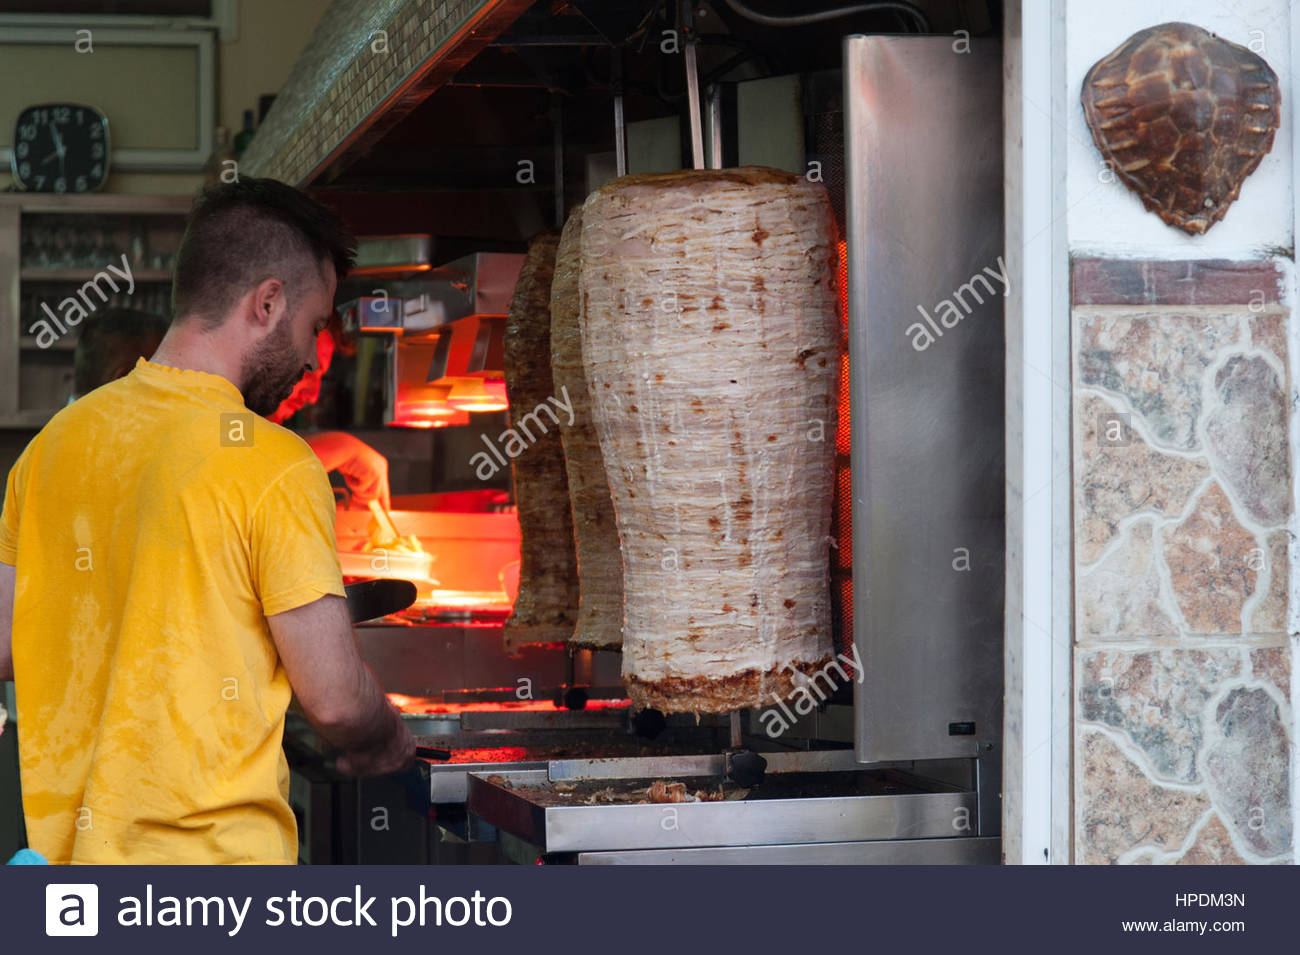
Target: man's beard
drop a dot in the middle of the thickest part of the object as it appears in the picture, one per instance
(271, 370)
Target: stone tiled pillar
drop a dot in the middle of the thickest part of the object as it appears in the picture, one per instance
(1182, 503)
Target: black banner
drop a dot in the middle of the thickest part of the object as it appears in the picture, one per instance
(647, 909)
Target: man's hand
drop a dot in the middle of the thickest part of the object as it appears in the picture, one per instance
(364, 468)
(337, 691)
(395, 757)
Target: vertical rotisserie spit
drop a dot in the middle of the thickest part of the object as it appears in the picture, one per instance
(600, 565)
(546, 609)
(710, 339)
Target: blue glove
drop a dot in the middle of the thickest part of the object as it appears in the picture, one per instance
(27, 857)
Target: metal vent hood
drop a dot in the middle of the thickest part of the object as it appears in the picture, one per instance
(449, 339)
(476, 286)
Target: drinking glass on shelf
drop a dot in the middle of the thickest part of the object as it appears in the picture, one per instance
(36, 244)
(82, 247)
(105, 247)
(139, 252)
(27, 250)
(62, 254)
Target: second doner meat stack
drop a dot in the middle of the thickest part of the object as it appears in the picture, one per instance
(710, 341)
(546, 608)
(600, 567)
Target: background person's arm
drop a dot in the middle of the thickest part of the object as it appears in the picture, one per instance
(337, 692)
(8, 574)
(8, 559)
(364, 468)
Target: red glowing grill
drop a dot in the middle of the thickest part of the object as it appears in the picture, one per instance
(842, 521)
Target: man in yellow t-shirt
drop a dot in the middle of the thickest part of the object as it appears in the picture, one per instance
(168, 573)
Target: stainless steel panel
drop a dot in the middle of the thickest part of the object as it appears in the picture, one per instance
(893, 852)
(423, 661)
(924, 156)
(386, 254)
(739, 823)
(484, 720)
(568, 769)
(449, 782)
(478, 284)
(715, 764)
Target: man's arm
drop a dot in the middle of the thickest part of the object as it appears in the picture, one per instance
(364, 468)
(8, 574)
(339, 695)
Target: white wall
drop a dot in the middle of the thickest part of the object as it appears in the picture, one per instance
(1105, 218)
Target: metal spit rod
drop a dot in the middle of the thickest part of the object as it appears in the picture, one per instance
(557, 134)
(620, 124)
(692, 85)
(715, 126)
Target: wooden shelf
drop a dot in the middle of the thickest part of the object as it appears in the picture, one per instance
(97, 203)
(51, 367)
(62, 343)
(28, 419)
(85, 275)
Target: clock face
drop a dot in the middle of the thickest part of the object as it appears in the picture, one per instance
(61, 147)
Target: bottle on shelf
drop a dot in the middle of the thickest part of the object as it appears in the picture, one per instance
(245, 135)
(222, 151)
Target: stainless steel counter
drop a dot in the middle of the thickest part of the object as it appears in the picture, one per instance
(810, 807)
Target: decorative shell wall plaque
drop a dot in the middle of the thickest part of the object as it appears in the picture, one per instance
(1183, 117)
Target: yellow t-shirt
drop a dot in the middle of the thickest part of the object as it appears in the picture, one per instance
(155, 524)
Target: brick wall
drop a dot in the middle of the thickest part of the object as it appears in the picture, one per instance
(362, 54)
(1182, 481)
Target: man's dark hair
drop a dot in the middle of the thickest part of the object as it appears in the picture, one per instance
(109, 343)
(241, 233)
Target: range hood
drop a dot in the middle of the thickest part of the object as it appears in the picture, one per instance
(475, 286)
(449, 339)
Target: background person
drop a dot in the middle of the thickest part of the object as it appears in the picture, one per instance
(109, 342)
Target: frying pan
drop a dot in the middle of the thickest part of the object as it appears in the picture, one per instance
(368, 599)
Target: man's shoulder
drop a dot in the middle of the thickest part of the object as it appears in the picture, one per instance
(273, 449)
(237, 446)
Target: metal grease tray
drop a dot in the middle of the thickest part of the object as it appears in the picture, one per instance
(493, 752)
(804, 798)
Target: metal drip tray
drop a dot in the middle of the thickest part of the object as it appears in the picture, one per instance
(495, 752)
(815, 797)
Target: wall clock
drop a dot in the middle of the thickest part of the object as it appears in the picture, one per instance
(60, 147)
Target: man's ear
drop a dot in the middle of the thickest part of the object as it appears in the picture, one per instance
(268, 302)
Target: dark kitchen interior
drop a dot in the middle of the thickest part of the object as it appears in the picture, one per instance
(449, 181)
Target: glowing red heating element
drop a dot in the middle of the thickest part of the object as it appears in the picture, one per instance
(842, 522)
(424, 706)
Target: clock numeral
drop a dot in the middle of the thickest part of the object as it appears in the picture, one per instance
(81, 117)
(62, 114)
(27, 131)
(24, 170)
(80, 184)
(60, 185)
(22, 149)
(96, 131)
(40, 181)
(41, 116)
(97, 170)
(96, 150)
